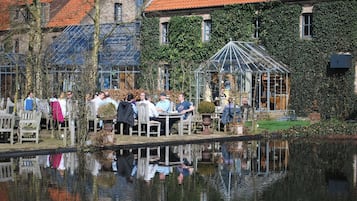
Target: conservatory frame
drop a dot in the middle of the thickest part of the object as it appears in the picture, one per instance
(258, 77)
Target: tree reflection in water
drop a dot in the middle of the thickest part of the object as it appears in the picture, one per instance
(246, 170)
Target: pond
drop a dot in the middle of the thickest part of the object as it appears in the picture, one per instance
(242, 170)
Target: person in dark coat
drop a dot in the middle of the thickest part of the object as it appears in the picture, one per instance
(126, 112)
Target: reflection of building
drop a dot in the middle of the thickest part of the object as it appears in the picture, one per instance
(30, 165)
(6, 171)
(248, 167)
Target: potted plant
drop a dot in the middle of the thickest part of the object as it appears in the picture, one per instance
(107, 113)
(206, 108)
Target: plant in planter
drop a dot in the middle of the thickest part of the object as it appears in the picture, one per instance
(206, 108)
(315, 115)
(107, 113)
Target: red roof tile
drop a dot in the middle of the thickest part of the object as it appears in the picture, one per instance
(161, 5)
(72, 13)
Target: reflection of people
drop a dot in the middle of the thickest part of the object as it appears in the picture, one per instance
(183, 171)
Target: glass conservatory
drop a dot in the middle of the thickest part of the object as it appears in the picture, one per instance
(243, 71)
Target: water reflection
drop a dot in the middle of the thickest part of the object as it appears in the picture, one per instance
(244, 170)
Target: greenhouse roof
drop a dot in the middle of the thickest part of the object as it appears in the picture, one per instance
(119, 45)
(242, 57)
(12, 59)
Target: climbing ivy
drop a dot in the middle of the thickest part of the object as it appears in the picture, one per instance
(334, 30)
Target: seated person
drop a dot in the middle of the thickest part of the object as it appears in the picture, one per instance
(183, 171)
(184, 107)
(245, 108)
(163, 105)
(229, 112)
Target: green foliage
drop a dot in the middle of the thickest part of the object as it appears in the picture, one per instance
(308, 59)
(274, 125)
(323, 128)
(206, 107)
(334, 30)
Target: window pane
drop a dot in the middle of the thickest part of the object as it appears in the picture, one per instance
(207, 30)
(117, 12)
(307, 25)
(164, 33)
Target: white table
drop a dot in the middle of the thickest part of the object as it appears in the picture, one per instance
(172, 115)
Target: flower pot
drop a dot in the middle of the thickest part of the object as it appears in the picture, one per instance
(206, 122)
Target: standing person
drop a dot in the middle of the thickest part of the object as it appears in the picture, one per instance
(163, 105)
(29, 102)
(63, 103)
(71, 115)
(57, 114)
(184, 107)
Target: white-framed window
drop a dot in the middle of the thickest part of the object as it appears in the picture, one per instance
(306, 26)
(306, 22)
(164, 33)
(207, 28)
(118, 12)
(256, 28)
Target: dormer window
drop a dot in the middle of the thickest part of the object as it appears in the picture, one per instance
(118, 12)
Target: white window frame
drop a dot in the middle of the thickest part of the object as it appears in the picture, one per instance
(164, 33)
(306, 23)
(118, 12)
(207, 29)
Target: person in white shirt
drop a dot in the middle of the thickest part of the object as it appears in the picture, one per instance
(145, 98)
(98, 100)
(108, 99)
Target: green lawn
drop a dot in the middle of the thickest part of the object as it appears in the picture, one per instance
(274, 125)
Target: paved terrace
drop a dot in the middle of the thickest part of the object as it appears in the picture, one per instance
(50, 145)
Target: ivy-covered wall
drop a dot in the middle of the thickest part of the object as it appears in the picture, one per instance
(334, 30)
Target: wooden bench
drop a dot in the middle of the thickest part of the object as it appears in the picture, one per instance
(29, 126)
(7, 123)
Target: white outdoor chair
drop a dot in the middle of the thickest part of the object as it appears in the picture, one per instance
(29, 126)
(186, 124)
(7, 124)
(144, 119)
(92, 117)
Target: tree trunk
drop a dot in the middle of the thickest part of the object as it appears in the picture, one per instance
(34, 64)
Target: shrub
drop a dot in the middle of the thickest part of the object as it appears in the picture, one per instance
(206, 107)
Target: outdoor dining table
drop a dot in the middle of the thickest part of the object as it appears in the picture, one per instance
(172, 115)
